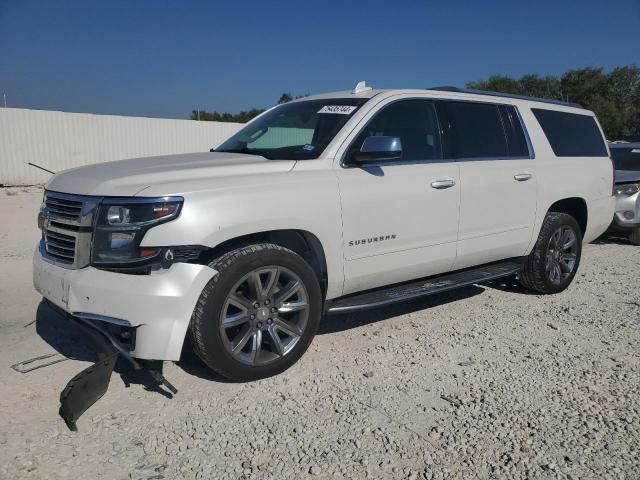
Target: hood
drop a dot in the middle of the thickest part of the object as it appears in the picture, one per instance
(131, 177)
(627, 176)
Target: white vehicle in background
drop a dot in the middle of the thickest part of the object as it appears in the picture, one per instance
(327, 204)
(626, 221)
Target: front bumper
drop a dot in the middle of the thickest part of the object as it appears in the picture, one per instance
(158, 306)
(627, 215)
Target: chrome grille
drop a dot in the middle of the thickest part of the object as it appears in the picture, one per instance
(67, 228)
(63, 207)
(59, 246)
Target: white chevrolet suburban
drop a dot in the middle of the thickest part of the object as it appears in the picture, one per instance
(329, 203)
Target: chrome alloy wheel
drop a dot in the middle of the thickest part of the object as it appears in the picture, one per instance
(264, 315)
(562, 252)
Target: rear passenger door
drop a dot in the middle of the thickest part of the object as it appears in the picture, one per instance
(497, 180)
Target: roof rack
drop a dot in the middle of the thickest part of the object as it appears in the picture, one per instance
(505, 95)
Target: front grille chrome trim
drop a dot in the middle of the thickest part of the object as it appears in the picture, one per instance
(67, 208)
(69, 247)
(54, 237)
(68, 228)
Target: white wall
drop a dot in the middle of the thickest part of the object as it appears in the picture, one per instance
(61, 140)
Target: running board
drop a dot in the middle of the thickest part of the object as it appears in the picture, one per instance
(423, 287)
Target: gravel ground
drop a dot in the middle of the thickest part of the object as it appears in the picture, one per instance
(486, 382)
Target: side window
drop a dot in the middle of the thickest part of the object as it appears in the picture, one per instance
(516, 140)
(571, 134)
(416, 124)
(474, 130)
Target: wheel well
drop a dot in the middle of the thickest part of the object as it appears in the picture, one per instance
(304, 243)
(576, 207)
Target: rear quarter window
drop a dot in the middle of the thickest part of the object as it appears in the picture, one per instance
(571, 134)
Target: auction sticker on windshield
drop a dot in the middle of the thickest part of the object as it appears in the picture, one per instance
(340, 109)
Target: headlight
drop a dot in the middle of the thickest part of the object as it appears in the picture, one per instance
(627, 189)
(121, 224)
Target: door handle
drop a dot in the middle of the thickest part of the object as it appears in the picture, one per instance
(441, 184)
(522, 177)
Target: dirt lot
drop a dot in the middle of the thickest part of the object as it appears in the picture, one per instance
(486, 382)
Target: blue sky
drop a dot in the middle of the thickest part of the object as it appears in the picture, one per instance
(166, 58)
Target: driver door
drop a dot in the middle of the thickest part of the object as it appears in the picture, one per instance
(400, 217)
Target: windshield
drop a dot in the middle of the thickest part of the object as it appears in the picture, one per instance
(626, 158)
(296, 130)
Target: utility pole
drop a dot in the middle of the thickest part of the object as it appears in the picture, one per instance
(4, 95)
(198, 114)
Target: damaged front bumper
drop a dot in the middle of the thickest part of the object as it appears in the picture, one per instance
(158, 306)
(88, 386)
(135, 317)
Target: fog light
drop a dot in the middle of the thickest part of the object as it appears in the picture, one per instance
(121, 239)
(628, 214)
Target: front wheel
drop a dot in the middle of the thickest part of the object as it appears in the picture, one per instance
(634, 236)
(554, 260)
(258, 315)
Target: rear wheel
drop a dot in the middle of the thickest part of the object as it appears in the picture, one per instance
(555, 258)
(258, 315)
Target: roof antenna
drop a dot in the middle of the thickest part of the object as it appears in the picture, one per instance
(361, 87)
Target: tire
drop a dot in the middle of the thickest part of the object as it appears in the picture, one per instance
(227, 314)
(634, 237)
(539, 273)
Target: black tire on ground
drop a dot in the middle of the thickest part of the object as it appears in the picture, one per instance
(634, 237)
(534, 274)
(205, 331)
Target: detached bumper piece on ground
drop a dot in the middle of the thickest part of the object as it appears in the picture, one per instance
(85, 389)
(88, 386)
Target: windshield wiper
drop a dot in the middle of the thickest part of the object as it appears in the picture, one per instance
(246, 151)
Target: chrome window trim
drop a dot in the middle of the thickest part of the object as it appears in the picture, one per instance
(486, 159)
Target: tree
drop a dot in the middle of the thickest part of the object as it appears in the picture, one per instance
(497, 83)
(624, 91)
(613, 96)
(284, 98)
(543, 87)
(287, 97)
(531, 85)
(241, 117)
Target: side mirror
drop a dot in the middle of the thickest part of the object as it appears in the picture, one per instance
(379, 148)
